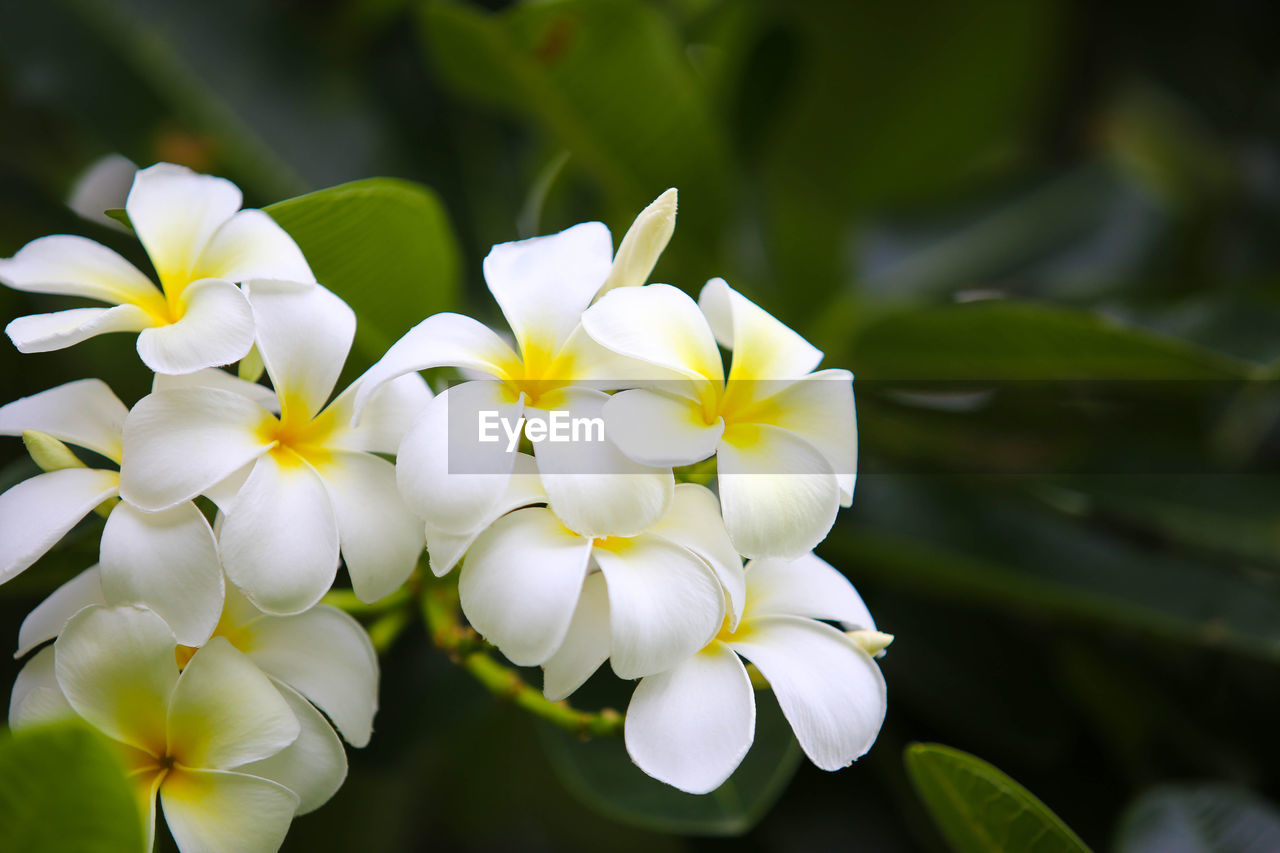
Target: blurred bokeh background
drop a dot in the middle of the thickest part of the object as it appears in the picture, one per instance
(1044, 235)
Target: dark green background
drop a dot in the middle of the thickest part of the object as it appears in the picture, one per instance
(1082, 577)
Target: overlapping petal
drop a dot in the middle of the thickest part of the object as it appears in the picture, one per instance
(806, 586)
(661, 326)
(36, 513)
(251, 245)
(36, 697)
(214, 326)
(167, 561)
(831, 691)
(692, 725)
(664, 604)
(304, 333)
(655, 428)
(381, 539)
(45, 621)
(224, 712)
(280, 537)
(85, 412)
(160, 468)
(314, 765)
(779, 494)
(763, 347)
(76, 266)
(216, 811)
(174, 212)
(48, 332)
(322, 653)
(521, 581)
(116, 667)
(544, 284)
(585, 645)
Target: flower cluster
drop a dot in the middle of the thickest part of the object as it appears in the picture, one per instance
(198, 642)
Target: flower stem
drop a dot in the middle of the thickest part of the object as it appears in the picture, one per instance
(471, 652)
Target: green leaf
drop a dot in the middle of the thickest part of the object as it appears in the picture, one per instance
(600, 773)
(63, 790)
(978, 809)
(382, 244)
(1199, 819)
(1021, 340)
(609, 81)
(119, 214)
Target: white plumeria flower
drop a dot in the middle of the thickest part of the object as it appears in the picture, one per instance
(784, 437)
(321, 653)
(200, 244)
(167, 560)
(296, 489)
(542, 286)
(526, 575)
(692, 725)
(231, 756)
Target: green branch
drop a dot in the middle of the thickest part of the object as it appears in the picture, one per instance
(471, 652)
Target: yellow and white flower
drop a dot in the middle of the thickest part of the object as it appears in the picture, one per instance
(542, 286)
(527, 574)
(231, 755)
(692, 725)
(167, 560)
(784, 436)
(298, 488)
(201, 244)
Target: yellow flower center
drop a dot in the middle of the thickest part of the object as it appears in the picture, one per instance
(298, 437)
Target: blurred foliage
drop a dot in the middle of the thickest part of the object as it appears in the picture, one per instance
(63, 790)
(1046, 236)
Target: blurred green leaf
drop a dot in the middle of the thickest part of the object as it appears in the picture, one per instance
(1199, 819)
(1022, 340)
(63, 790)
(609, 81)
(981, 810)
(385, 246)
(600, 773)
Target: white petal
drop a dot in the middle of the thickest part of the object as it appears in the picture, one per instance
(695, 523)
(214, 811)
(215, 328)
(46, 620)
(544, 284)
(251, 245)
(830, 690)
(313, 766)
(117, 668)
(224, 712)
(819, 408)
(391, 411)
(179, 443)
(212, 377)
(102, 186)
(167, 561)
(48, 332)
(36, 513)
(524, 488)
(664, 604)
(446, 474)
(304, 333)
(691, 726)
(806, 586)
(441, 340)
(591, 485)
(380, 538)
(326, 656)
(643, 243)
(520, 584)
(778, 492)
(280, 538)
(36, 697)
(75, 266)
(174, 212)
(660, 429)
(763, 347)
(585, 646)
(84, 412)
(660, 325)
